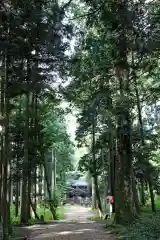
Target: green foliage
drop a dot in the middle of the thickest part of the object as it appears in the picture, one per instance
(147, 227)
(56, 136)
(45, 211)
(114, 80)
(42, 209)
(114, 71)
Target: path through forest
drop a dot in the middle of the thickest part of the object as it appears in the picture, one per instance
(76, 226)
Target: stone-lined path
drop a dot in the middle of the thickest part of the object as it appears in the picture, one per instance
(76, 226)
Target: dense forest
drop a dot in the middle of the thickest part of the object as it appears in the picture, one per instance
(32, 120)
(115, 85)
(103, 58)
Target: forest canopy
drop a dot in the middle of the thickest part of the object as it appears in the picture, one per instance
(102, 58)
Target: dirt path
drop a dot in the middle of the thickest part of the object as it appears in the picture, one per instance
(76, 226)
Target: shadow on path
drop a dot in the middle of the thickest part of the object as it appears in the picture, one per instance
(76, 226)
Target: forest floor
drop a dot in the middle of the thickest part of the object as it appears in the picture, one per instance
(76, 226)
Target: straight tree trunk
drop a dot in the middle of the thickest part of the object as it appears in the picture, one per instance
(20, 193)
(35, 189)
(25, 200)
(34, 138)
(142, 192)
(135, 194)
(6, 203)
(105, 178)
(9, 193)
(52, 174)
(25, 184)
(93, 195)
(49, 190)
(55, 170)
(112, 167)
(125, 212)
(152, 195)
(124, 195)
(18, 172)
(29, 195)
(98, 195)
(2, 148)
(40, 182)
(94, 167)
(17, 198)
(1, 180)
(111, 144)
(1, 174)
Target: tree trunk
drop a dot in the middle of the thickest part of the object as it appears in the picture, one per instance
(49, 190)
(123, 195)
(25, 194)
(2, 147)
(2, 175)
(151, 195)
(105, 191)
(17, 199)
(94, 168)
(93, 195)
(34, 209)
(18, 160)
(55, 170)
(25, 202)
(6, 203)
(142, 193)
(40, 183)
(135, 194)
(29, 195)
(34, 124)
(98, 195)
(112, 170)
(52, 174)
(11, 195)
(9, 189)
(112, 149)
(35, 188)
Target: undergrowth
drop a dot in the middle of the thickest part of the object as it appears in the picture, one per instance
(40, 211)
(146, 227)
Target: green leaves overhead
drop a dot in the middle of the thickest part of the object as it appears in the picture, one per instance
(114, 84)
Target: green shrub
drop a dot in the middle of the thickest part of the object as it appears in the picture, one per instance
(158, 202)
(48, 215)
(15, 220)
(147, 227)
(41, 210)
(60, 213)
